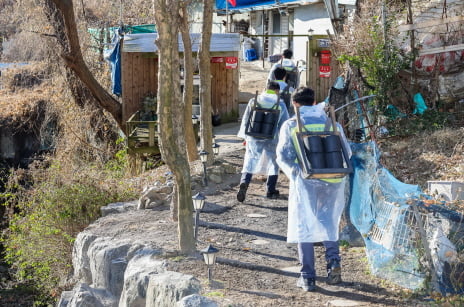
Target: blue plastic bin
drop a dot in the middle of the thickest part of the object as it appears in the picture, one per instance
(250, 55)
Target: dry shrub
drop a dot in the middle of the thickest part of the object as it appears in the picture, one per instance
(426, 156)
(62, 191)
(25, 47)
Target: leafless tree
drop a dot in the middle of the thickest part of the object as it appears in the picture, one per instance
(188, 80)
(171, 116)
(205, 79)
(170, 112)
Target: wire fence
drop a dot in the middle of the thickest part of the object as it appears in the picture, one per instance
(410, 239)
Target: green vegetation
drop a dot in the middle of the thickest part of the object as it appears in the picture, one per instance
(52, 207)
(431, 120)
(380, 61)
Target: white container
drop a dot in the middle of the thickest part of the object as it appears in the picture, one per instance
(196, 109)
(448, 190)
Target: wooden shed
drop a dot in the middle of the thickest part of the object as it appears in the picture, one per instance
(139, 71)
(323, 67)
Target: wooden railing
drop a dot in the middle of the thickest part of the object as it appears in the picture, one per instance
(142, 135)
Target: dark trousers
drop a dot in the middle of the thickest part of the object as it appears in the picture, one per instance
(306, 255)
(271, 181)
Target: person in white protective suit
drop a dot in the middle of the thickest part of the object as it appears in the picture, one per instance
(286, 62)
(315, 206)
(260, 154)
(285, 89)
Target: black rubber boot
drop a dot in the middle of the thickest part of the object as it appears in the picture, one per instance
(242, 192)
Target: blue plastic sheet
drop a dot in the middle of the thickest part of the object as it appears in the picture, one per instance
(420, 104)
(385, 210)
(113, 56)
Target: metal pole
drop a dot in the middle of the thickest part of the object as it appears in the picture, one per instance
(227, 16)
(205, 179)
(353, 101)
(197, 222)
(262, 30)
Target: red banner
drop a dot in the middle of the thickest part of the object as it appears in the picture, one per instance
(217, 60)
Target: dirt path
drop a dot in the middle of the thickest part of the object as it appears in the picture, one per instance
(256, 267)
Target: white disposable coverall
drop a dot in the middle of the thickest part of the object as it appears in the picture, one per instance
(314, 206)
(285, 63)
(260, 154)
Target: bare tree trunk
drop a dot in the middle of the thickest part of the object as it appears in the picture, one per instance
(60, 13)
(206, 127)
(170, 112)
(174, 209)
(171, 116)
(188, 84)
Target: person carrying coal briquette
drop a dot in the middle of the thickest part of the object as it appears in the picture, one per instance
(260, 154)
(286, 90)
(286, 62)
(315, 206)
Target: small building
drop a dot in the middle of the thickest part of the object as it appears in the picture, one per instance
(139, 72)
(304, 27)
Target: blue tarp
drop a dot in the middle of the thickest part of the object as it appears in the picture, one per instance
(248, 4)
(381, 209)
(113, 56)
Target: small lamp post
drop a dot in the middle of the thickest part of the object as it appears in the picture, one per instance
(216, 148)
(209, 255)
(204, 158)
(198, 203)
(214, 138)
(310, 36)
(194, 119)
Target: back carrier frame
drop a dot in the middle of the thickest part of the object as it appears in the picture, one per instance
(262, 122)
(322, 155)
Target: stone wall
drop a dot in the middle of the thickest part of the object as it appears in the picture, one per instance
(114, 266)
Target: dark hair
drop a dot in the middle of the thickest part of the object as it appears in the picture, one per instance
(280, 73)
(288, 53)
(304, 96)
(272, 85)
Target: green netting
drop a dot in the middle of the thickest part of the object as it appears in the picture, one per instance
(150, 28)
(105, 34)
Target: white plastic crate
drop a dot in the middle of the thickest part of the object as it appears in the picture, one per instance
(448, 190)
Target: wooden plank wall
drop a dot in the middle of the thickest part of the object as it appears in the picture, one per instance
(139, 78)
(224, 88)
(321, 85)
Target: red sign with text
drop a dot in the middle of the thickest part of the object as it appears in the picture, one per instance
(324, 71)
(231, 62)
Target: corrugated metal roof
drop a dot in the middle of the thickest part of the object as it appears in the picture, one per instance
(255, 5)
(250, 5)
(145, 42)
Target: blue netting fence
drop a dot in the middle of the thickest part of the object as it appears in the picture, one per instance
(408, 240)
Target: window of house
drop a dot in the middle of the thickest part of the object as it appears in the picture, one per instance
(275, 23)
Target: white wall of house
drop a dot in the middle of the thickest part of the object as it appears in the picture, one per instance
(313, 15)
(256, 28)
(278, 24)
(307, 17)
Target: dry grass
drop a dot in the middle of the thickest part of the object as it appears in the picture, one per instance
(427, 156)
(22, 88)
